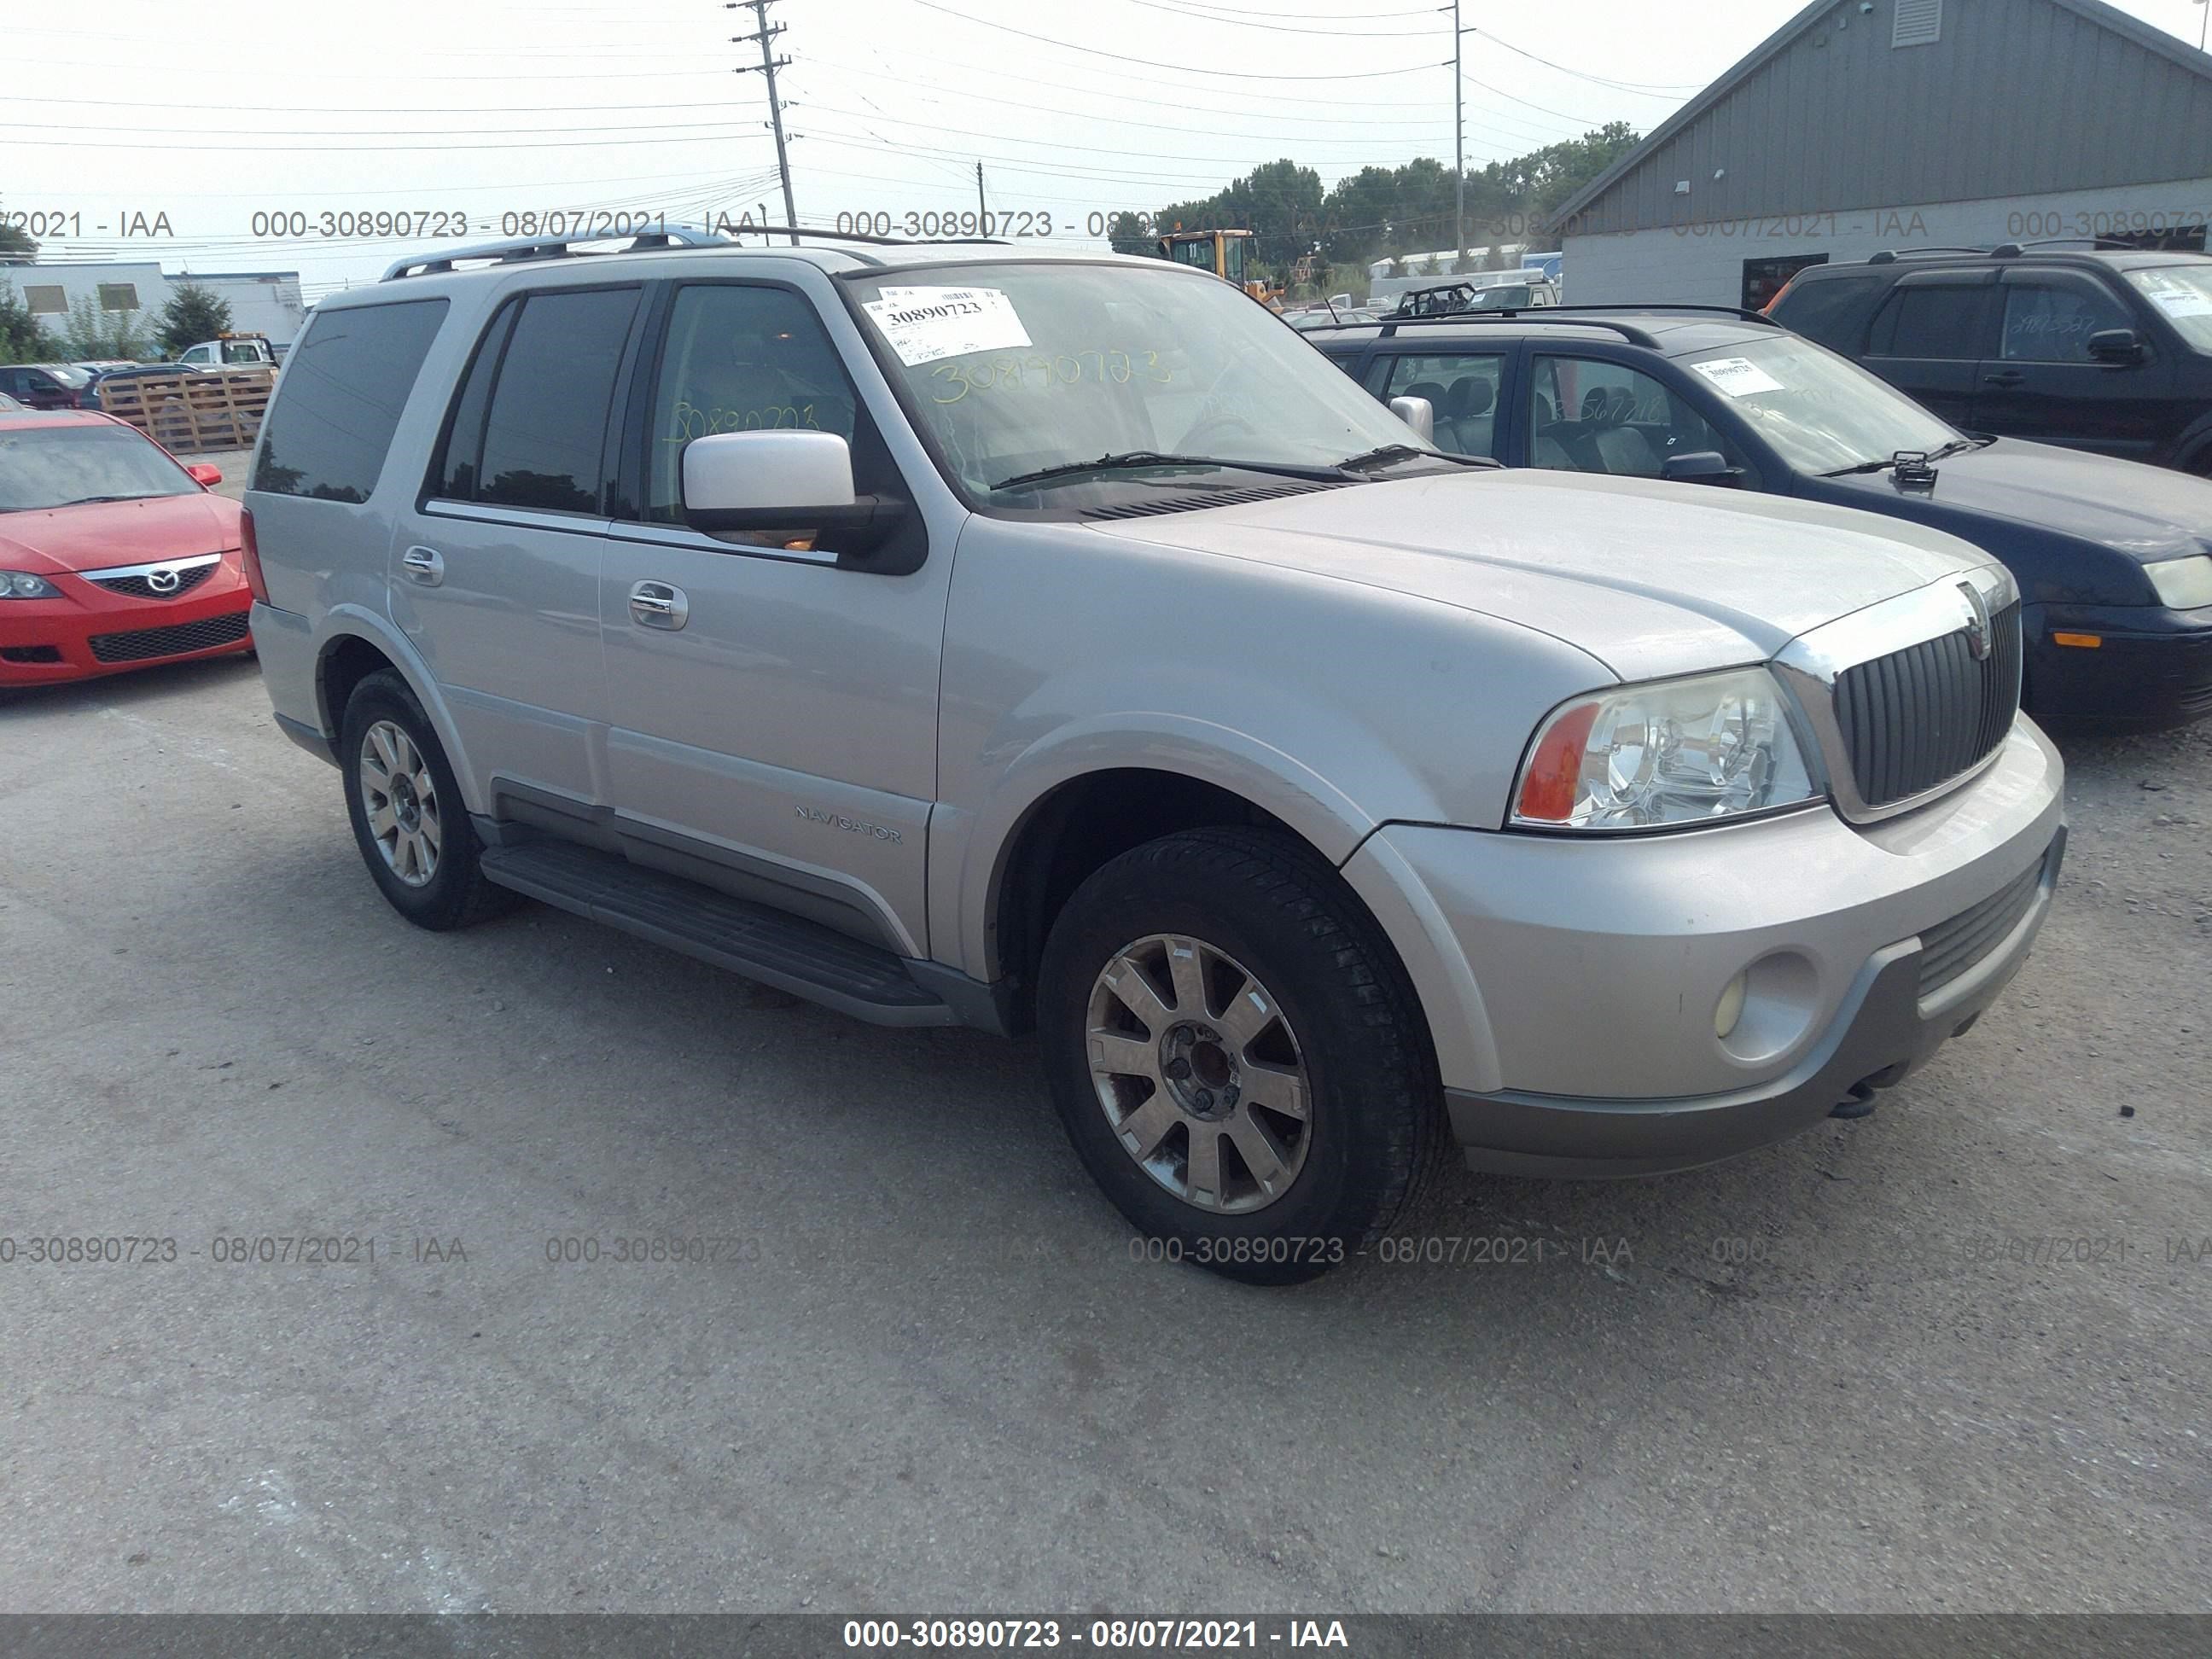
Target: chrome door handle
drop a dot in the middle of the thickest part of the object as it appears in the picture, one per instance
(659, 604)
(424, 565)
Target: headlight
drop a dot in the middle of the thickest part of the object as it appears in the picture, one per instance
(2183, 584)
(23, 584)
(1669, 752)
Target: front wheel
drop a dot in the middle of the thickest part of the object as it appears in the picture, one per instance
(1237, 1054)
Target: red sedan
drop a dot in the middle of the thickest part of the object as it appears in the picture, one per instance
(113, 555)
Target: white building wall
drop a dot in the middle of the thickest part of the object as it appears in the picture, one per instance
(1703, 264)
(83, 280)
(266, 303)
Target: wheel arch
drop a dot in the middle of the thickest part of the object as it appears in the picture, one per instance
(359, 643)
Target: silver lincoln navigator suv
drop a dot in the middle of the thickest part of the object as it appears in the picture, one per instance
(967, 635)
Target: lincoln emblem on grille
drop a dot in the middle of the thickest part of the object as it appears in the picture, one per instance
(1978, 625)
(165, 582)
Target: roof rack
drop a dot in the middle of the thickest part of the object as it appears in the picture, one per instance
(1634, 336)
(524, 249)
(1890, 256)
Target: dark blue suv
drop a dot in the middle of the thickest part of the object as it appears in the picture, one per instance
(2113, 559)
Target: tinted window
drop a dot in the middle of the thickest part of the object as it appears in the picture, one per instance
(1586, 416)
(1830, 309)
(2050, 321)
(545, 433)
(1462, 389)
(340, 399)
(1930, 321)
(455, 474)
(740, 359)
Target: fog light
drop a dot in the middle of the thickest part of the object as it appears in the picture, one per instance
(1730, 1009)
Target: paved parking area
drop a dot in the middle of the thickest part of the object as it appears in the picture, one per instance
(1869, 1369)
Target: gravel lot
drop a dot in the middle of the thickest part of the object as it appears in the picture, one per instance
(929, 1375)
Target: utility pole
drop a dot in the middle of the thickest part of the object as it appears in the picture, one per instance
(982, 208)
(1459, 143)
(768, 65)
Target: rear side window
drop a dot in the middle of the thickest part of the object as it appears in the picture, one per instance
(1830, 309)
(530, 428)
(1932, 322)
(340, 399)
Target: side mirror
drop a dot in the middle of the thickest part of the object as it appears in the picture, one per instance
(202, 472)
(2116, 346)
(1699, 466)
(1419, 414)
(797, 482)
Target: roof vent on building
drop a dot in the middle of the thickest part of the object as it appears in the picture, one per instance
(1917, 23)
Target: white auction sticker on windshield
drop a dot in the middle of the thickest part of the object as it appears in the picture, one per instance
(1739, 377)
(2183, 302)
(925, 324)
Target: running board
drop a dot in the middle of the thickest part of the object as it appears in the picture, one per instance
(792, 954)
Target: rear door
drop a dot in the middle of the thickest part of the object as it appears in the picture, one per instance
(1930, 336)
(496, 574)
(2041, 383)
(776, 735)
(1466, 388)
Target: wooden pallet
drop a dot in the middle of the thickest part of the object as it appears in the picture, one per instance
(217, 408)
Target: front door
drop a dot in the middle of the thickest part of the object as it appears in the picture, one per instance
(775, 734)
(2042, 383)
(1930, 337)
(497, 577)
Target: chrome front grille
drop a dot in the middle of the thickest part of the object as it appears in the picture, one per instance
(1912, 720)
(143, 588)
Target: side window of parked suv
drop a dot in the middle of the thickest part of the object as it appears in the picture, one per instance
(1462, 389)
(740, 359)
(331, 424)
(1589, 416)
(2048, 320)
(530, 428)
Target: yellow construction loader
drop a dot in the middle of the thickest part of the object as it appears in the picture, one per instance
(1222, 252)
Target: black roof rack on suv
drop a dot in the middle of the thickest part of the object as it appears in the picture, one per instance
(1890, 256)
(1634, 336)
(522, 249)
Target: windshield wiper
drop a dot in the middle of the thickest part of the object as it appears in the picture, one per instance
(1130, 459)
(1389, 452)
(87, 500)
(1911, 457)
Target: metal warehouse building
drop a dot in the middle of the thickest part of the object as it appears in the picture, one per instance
(1866, 124)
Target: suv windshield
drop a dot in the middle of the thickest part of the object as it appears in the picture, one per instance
(1820, 411)
(1016, 369)
(2183, 293)
(43, 467)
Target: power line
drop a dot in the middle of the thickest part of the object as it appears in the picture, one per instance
(1153, 64)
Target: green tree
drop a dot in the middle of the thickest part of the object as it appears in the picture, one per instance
(1125, 234)
(95, 332)
(192, 314)
(22, 339)
(16, 245)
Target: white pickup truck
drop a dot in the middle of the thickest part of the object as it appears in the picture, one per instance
(231, 350)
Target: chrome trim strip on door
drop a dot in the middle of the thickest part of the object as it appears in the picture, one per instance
(525, 518)
(660, 535)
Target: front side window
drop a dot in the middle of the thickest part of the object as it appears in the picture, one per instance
(1586, 415)
(1462, 391)
(1820, 412)
(1232, 259)
(330, 425)
(2050, 321)
(2183, 295)
(1014, 369)
(49, 466)
(740, 359)
(545, 430)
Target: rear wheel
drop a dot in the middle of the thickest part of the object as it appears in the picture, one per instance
(1236, 1056)
(408, 816)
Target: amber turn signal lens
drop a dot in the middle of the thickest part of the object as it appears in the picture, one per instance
(2086, 641)
(1547, 787)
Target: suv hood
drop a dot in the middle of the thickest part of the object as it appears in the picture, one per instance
(1650, 578)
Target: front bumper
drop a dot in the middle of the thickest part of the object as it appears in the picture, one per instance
(2151, 668)
(89, 631)
(1573, 995)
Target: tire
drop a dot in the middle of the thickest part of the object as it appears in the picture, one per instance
(441, 888)
(1299, 986)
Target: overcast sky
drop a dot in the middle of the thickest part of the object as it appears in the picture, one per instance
(213, 111)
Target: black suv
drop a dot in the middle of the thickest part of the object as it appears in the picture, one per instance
(2103, 350)
(2113, 559)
